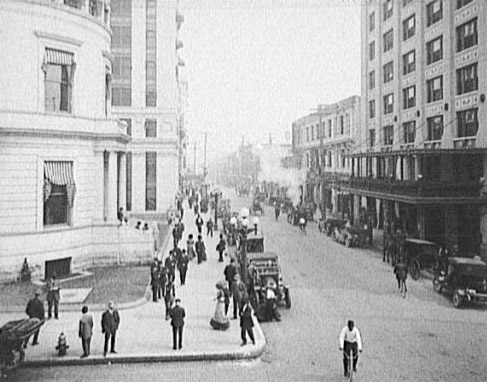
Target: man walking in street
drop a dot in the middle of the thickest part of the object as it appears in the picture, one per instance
(200, 250)
(183, 267)
(221, 248)
(350, 339)
(177, 323)
(199, 223)
(246, 323)
(85, 331)
(230, 272)
(53, 296)
(209, 227)
(110, 322)
(35, 309)
(170, 264)
(239, 295)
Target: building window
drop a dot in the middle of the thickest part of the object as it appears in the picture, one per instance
(409, 27)
(342, 125)
(467, 35)
(388, 103)
(388, 72)
(434, 50)
(372, 80)
(388, 135)
(467, 79)
(388, 8)
(307, 134)
(329, 128)
(150, 181)
(151, 54)
(312, 133)
(462, 3)
(372, 51)
(371, 21)
(409, 62)
(388, 40)
(371, 140)
(435, 128)
(409, 97)
(121, 96)
(434, 12)
(434, 89)
(151, 128)
(409, 130)
(59, 190)
(128, 122)
(372, 109)
(468, 123)
(58, 70)
(128, 189)
(329, 159)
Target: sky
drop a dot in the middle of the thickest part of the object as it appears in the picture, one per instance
(255, 66)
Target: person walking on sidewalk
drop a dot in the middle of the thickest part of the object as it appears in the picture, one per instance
(177, 323)
(190, 247)
(110, 321)
(154, 282)
(85, 331)
(53, 296)
(200, 250)
(246, 323)
(199, 223)
(239, 294)
(170, 265)
(183, 267)
(220, 320)
(230, 272)
(221, 248)
(35, 309)
(175, 234)
(169, 298)
(209, 227)
(162, 277)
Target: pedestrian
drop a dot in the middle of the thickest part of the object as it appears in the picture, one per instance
(53, 296)
(120, 215)
(227, 294)
(277, 210)
(170, 264)
(350, 339)
(200, 250)
(230, 272)
(35, 309)
(190, 247)
(246, 323)
(85, 331)
(169, 297)
(183, 267)
(180, 230)
(162, 280)
(219, 320)
(239, 295)
(175, 234)
(221, 248)
(199, 223)
(209, 227)
(110, 321)
(177, 253)
(154, 282)
(196, 207)
(177, 323)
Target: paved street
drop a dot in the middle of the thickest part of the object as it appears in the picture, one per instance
(420, 338)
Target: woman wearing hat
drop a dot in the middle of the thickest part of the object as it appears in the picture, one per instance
(220, 321)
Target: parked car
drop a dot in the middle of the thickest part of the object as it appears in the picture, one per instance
(257, 206)
(351, 236)
(465, 280)
(420, 254)
(328, 225)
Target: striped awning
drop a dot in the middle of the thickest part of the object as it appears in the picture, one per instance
(59, 173)
(58, 57)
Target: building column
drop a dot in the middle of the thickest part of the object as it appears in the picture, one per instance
(122, 181)
(99, 188)
(112, 187)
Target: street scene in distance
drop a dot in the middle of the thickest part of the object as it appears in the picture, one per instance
(235, 190)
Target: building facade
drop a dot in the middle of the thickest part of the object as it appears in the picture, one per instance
(62, 154)
(145, 97)
(322, 142)
(420, 158)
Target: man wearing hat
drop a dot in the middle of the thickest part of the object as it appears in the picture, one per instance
(177, 323)
(35, 309)
(110, 321)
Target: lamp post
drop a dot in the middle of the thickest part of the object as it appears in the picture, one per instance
(216, 211)
(244, 230)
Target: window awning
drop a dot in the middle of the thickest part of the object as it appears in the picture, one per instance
(58, 57)
(59, 173)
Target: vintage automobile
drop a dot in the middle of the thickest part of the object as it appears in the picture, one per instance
(255, 242)
(420, 254)
(351, 236)
(257, 206)
(286, 205)
(465, 280)
(297, 213)
(328, 225)
(265, 270)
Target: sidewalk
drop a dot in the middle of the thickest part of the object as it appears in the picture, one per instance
(144, 334)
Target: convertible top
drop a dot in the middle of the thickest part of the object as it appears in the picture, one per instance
(469, 266)
(262, 256)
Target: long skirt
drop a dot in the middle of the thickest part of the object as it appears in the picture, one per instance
(220, 321)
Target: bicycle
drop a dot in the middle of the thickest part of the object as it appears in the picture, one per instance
(350, 357)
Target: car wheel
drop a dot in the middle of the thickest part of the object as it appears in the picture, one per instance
(414, 270)
(436, 285)
(348, 242)
(287, 297)
(456, 299)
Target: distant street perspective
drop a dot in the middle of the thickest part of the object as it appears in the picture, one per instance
(236, 190)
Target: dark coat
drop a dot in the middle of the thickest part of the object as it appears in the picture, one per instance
(221, 246)
(110, 322)
(170, 265)
(177, 315)
(246, 317)
(183, 263)
(230, 272)
(35, 309)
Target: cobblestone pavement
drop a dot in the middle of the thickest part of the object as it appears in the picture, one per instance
(419, 338)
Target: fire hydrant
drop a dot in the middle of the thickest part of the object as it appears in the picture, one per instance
(62, 345)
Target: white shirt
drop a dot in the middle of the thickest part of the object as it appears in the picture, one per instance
(350, 336)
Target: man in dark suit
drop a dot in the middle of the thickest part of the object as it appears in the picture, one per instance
(35, 309)
(246, 323)
(110, 321)
(177, 323)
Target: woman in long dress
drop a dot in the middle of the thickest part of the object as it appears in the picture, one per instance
(190, 247)
(220, 321)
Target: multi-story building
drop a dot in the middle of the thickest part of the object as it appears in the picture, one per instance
(62, 155)
(145, 97)
(323, 141)
(421, 149)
